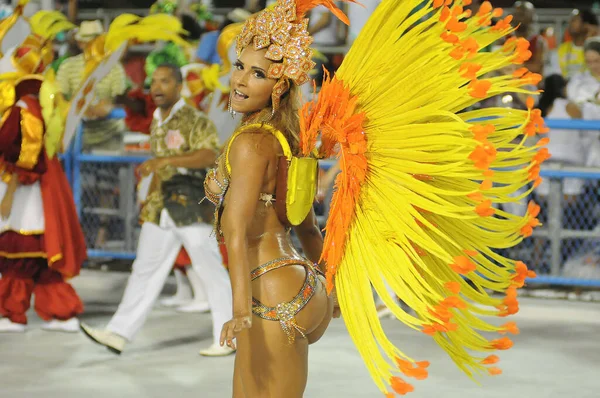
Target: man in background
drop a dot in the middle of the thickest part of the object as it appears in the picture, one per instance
(184, 142)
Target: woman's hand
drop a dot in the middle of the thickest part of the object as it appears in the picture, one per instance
(234, 327)
(152, 165)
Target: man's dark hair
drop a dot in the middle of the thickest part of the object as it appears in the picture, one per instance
(587, 16)
(175, 71)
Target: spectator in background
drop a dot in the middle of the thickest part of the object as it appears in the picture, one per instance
(524, 17)
(584, 87)
(566, 146)
(99, 132)
(583, 25)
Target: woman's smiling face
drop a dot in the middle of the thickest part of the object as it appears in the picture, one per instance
(251, 89)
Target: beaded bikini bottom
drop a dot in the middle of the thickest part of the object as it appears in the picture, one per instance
(286, 312)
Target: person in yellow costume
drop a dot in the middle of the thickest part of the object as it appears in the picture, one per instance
(413, 206)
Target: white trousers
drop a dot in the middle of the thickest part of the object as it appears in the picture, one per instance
(156, 253)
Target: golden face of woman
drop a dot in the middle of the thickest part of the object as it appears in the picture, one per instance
(250, 87)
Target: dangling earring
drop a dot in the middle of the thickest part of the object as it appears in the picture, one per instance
(231, 111)
(280, 88)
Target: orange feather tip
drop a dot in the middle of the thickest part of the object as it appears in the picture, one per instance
(490, 360)
(510, 327)
(503, 343)
(417, 370)
(400, 386)
(453, 286)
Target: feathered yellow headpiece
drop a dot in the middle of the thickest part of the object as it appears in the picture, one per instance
(35, 53)
(129, 27)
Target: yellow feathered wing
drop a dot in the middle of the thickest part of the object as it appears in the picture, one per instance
(419, 177)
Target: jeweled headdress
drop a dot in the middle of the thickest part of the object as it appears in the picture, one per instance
(283, 30)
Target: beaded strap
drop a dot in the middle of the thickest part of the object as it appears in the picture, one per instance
(276, 264)
(285, 313)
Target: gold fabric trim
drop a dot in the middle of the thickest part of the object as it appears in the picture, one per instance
(7, 99)
(23, 255)
(23, 232)
(55, 258)
(32, 140)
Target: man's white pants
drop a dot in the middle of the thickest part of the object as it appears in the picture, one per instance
(156, 253)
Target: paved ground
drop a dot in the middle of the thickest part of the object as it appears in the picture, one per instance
(557, 355)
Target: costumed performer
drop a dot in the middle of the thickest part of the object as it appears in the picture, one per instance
(413, 204)
(41, 242)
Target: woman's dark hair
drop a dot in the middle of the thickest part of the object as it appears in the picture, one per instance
(554, 87)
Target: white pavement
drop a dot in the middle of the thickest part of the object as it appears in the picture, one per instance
(556, 355)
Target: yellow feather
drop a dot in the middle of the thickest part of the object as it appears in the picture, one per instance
(48, 23)
(124, 20)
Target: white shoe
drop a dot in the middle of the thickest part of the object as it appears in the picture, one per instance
(175, 301)
(110, 340)
(68, 326)
(215, 350)
(6, 326)
(194, 306)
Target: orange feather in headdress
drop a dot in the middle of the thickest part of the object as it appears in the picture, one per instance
(304, 6)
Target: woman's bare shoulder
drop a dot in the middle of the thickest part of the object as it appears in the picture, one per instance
(254, 141)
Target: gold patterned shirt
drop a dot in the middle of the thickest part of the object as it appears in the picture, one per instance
(184, 130)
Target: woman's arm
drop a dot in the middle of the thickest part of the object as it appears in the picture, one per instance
(248, 157)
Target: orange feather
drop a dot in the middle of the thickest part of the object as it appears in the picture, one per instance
(304, 6)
